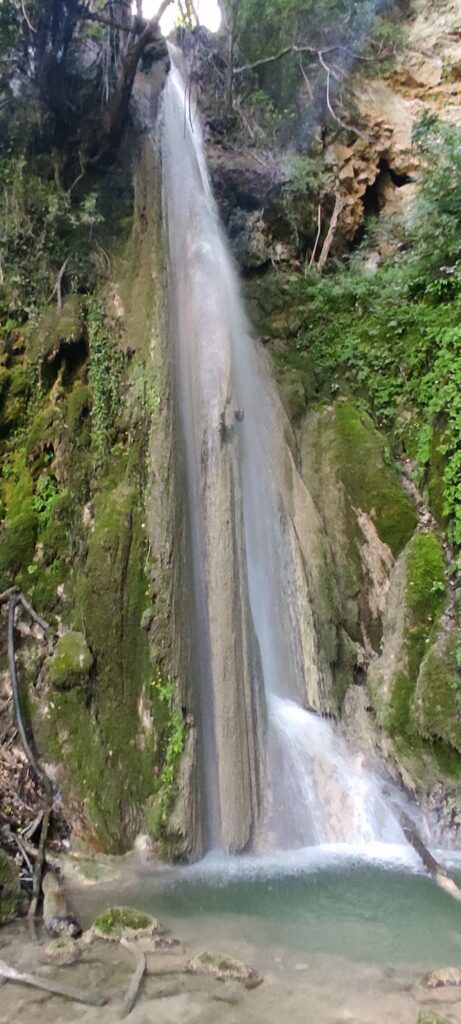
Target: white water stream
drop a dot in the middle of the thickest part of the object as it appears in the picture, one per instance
(266, 760)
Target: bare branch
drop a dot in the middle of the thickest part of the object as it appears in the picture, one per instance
(276, 56)
(26, 19)
(342, 124)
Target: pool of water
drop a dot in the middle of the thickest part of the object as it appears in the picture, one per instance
(372, 911)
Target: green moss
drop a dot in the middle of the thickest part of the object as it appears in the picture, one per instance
(116, 921)
(78, 405)
(17, 545)
(9, 888)
(71, 660)
(398, 717)
(56, 327)
(111, 765)
(431, 1017)
(437, 700)
(426, 590)
(425, 596)
(369, 477)
(43, 429)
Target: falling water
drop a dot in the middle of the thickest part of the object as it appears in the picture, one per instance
(272, 773)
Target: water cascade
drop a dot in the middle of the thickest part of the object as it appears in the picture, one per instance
(271, 773)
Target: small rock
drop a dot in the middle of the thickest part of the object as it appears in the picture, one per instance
(230, 992)
(445, 976)
(60, 951)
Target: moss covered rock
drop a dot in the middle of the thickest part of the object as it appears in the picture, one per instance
(56, 327)
(422, 603)
(9, 888)
(225, 968)
(17, 545)
(71, 660)
(369, 476)
(437, 699)
(124, 922)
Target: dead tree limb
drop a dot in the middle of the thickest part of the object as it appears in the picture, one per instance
(15, 599)
(39, 866)
(328, 242)
(317, 239)
(11, 974)
(436, 870)
(342, 124)
(136, 979)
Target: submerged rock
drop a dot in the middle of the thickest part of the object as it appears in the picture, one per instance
(225, 968)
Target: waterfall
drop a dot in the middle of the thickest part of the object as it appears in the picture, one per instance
(271, 772)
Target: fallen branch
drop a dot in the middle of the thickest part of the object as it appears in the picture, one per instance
(437, 872)
(39, 866)
(16, 598)
(319, 228)
(11, 974)
(136, 979)
(328, 242)
(58, 286)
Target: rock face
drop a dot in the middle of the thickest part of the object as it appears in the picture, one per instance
(9, 888)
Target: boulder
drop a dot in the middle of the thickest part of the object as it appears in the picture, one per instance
(71, 660)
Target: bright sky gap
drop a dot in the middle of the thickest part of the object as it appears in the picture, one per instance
(207, 10)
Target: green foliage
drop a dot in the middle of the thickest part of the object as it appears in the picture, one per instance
(399, 351)
(340, 30)
(175, 740)
(437, 219)
(47, 497)
(41, 226)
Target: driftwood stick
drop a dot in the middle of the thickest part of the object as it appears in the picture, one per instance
(11, 974)
(39, 865)
(432, 865)
(136, 979)
(413, 837)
